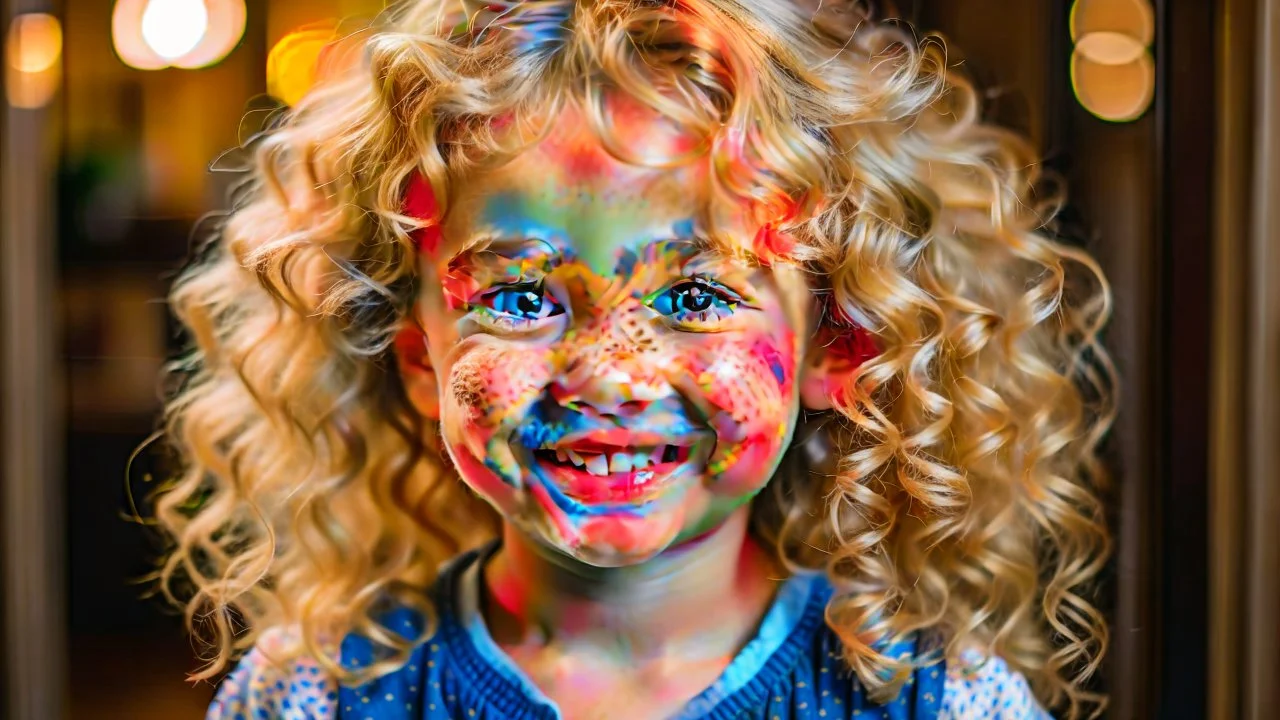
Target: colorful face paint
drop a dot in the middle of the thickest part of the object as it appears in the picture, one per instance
(420, 202)
(608, 383)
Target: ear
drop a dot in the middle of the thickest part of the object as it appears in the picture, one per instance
(416, 371)
(835, 353)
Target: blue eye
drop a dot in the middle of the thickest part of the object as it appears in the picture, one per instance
(526, 301)
(695, 301)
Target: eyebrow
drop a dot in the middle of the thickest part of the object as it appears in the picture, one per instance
(489, 250)
(495, 247)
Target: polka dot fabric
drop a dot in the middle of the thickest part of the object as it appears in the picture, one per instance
(454, 676)
(262, 689)
(981, 688)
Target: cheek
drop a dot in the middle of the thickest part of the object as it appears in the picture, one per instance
(491, 385)
(750, 385)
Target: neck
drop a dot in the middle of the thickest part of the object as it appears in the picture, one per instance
(657, 608)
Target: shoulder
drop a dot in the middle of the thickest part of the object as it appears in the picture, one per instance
(263, 685)
(985, 687)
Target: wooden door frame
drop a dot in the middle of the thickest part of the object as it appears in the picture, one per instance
(1244, 653)
(34, 581)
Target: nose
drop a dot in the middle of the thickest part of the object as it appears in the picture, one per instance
(610, 380)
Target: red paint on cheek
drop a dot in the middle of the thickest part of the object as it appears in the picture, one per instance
(494, 383)
(420, 202)
(750, 382)
(480, 478)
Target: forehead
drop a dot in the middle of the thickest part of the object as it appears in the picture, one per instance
(571, 192)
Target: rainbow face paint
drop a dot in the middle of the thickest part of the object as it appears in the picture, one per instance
(607, 381)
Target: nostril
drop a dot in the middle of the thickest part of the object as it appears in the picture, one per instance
(631, 408)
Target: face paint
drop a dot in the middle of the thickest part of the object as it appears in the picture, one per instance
(607, 383)
(420, 202)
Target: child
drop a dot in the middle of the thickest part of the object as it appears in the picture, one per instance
(642, 359)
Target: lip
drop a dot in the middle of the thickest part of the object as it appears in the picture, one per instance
(632, 487)
(616, 490)
(617, 438)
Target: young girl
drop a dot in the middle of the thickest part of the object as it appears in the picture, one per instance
(641, 359)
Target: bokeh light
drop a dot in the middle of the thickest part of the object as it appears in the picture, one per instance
(226, 27)
(1110, 48)
(293, 64)
(1132, 18)
(156, 34)
(1112, 72)
(33, 60)
(1118, 93)
(173, 28)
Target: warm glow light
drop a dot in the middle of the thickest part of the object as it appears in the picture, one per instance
(33, 60)
(292, 63)
(226, 27)
(1118, 93)
(35, 42)
(155, 34)
(173, 28)
(1111, 69)
(1131, 18)
(126, 36)
(1110, 48)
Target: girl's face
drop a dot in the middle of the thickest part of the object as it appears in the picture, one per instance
(610, 387)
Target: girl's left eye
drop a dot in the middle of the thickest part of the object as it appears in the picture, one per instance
(527, 301)
(695, 302)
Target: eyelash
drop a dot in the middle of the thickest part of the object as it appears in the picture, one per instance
(723, 303)
(499, 307)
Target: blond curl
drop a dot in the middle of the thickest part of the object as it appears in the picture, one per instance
(953, 492)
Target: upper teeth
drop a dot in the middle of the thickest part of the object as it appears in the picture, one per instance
(598, 465)
(615, 462)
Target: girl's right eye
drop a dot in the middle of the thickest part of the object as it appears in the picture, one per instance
(525, 302)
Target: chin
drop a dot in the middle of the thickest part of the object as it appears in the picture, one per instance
(614, 538)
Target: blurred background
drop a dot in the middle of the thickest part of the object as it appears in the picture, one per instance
(1163, 117)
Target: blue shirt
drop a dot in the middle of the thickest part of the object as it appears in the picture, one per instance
(791, 669)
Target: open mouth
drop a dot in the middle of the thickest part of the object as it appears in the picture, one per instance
(594, 472)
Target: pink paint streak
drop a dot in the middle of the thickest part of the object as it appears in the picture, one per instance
(420, 203)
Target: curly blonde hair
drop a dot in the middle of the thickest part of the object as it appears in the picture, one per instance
(955, 488)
